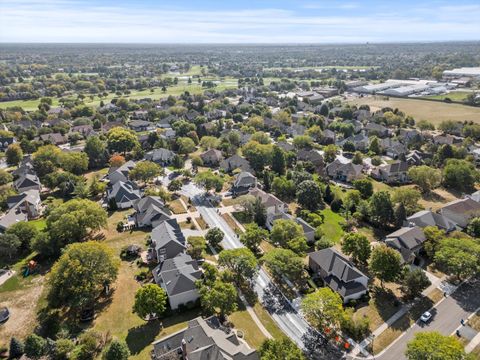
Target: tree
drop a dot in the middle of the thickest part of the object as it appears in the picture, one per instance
(408, 197)
(121, 140)
(241, 262)
(74, 220)
(460, 257)
(81, 273)
(196, 246)
(323, 309)
(413, 282)
(145, 171)
(283, 188)
(208, 180)
(374, 146)
(302, 142)
(117, 350)
(283, 262)
(357, 158)
(13, 154)
(25, 231)
(433, 235)
(330, 153)
(116, 161)
(278, 160)
(220, 298)
(74, 162)
(399, 214)
(35, 346)
(16, 349)
(259, 155)
(473, 228)
(214, 237)
(425, 177)
(385, 263)
(381, 209)
(460, 175)
(433, 345)
(150, 300)
(63, 348)
(185, 145)
(309, 195)
(351, 200)
(288, 234)
(46, 160)
(96, 150)
(5, 177)
(280, 349)
(358, 246)
(253, 236)
(9, 245)
(365, 187)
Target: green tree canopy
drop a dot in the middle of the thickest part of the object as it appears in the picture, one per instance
(358, 246)
(460, 175)
(283, 262)
(323, 309)
(145, 171)
(385, 263)
(433, 345)
(381, 209)
(241, 262)
(253, 236)
(309, 195)
(81, 274)
(121, 140)
(426, 177)
(214, 236)
(460, 257)
(13, 154)
(150, 299)
(208, 180)
(220, 298)
(288, 234)
(280, 349)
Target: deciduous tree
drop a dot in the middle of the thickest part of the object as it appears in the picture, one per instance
(433, 345)
(385, 263)
(150, 300)
(242, 262)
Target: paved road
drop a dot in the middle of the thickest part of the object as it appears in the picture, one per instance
(288, 320)
(446, 318)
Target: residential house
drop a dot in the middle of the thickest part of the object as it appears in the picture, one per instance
(84, 130)
(125, 194)
(244, 181)
(416, 158)
(338, 273)
(285, 146)
(376, 129)
(236, 162)
(408, 241)
(168, 240)
(461, 211)
(160, 156)
(54, 138)
(313, 157)
(447, 139)
(211, 157)
(272, 204)
(344, 171)
(168, 134)
(167, 122)
(6, 141)
(121, 173)
(426, 218)
(141, 125)
(203, 339)
(22, 207)
(177, 276)
(393, 148)
(27, 181)
(395, 172)
(329, 137)
(150, 211)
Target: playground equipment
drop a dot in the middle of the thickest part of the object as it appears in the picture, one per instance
(30, 268)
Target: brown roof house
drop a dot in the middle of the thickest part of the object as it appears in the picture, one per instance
(211, 157)
(461, 211)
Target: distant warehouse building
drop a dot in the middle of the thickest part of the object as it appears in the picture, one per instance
(405, 90)
(470, 72)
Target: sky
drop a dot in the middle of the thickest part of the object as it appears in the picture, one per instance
(247, 21)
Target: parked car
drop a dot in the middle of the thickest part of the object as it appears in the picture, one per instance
(426, 317)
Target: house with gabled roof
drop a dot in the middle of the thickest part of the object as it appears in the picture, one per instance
(344, 171)
(408, 241)
(395, 172)
(211, 157)
(461, 211)
(177, 276)
(203, 339)
(160, 156)
(150, 211)
(125, 194)
(168, 240)
(338, 273)
(426, 218)
(121, 173)
(27, 181)
(244, 181)
(236, 162)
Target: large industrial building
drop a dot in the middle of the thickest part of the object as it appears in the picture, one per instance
(470, 72)
(412, 87)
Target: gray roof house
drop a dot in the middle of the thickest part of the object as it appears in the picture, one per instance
(344, 171)
(150, 211)
(376, 129)
(168, 240)
(26, 182)
(141, 125)
(244, 181)
(177, 276)
(426, 218)
(408, 241)
(338, 273)
(312, 156)
(395, 172)
(236, 162)
(160, 156)
(461, 211)
(125, 194)
(211, 157)
(203, 339)
(22, 207)
(121, 173)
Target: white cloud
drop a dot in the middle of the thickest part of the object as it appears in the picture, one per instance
(77, 21)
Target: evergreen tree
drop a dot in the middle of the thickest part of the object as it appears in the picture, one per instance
(16, 348)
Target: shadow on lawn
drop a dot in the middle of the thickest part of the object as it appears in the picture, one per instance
(140, 337)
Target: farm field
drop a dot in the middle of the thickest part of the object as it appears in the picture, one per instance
(435, 112)
(453, 95)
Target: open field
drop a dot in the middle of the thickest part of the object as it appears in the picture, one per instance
(453, 95)
(435, 112)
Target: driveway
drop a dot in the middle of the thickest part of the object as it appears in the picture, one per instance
(446, 319)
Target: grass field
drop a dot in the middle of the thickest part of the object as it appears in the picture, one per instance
(435, 112)
(453, 95)
(331, 226)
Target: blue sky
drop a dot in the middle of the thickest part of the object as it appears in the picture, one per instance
(247, 21)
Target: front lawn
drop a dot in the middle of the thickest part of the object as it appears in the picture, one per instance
(242, 321)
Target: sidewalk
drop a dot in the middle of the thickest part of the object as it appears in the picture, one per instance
(473, 344)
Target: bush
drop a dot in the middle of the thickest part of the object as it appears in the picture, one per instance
(35, 346)
(16, 348)
(116, 350)
(120, 226)
(336, 205)
(357, 329)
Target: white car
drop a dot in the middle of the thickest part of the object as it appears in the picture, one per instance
(426, 316)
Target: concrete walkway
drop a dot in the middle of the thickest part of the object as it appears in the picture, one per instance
(7, 275)
(473, 344)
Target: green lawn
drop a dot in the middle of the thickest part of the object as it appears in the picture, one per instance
(331, 226)
(40, 224)
(242, 321)
(454, 96)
